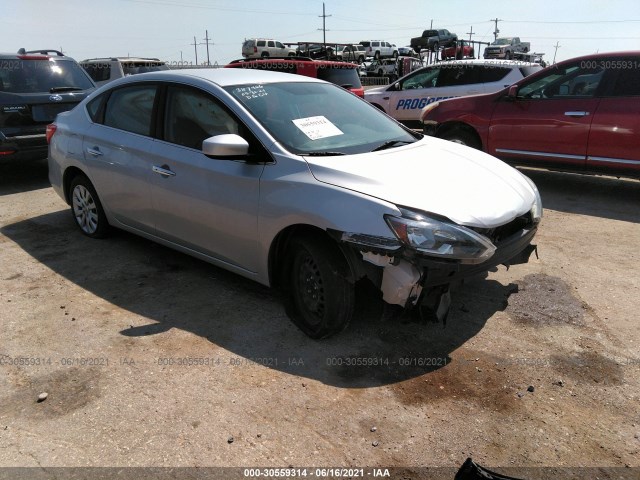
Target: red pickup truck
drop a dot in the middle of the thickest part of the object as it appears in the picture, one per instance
(578, 115)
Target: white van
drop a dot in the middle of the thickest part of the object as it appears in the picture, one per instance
(404, 99)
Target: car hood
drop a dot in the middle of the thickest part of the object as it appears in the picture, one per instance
(463, 184)
(374, 92)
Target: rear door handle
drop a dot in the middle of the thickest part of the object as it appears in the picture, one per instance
(95, 151)
(576, 114)
(164, 170)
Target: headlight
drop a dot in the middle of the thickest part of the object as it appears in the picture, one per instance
(427, 109)
(536, 209)
(440, 239)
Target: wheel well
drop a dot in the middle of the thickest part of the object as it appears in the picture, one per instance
(69, 174)
(450, 126)
(279, 247)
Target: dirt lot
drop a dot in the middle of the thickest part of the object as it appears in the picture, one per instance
(152, 358)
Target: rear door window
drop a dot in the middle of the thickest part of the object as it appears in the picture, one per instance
(131, 109)
(456, 76)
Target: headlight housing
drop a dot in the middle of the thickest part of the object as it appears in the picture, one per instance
(536, 209)
(440, 239)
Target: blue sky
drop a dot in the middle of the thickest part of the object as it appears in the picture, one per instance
(166, 28)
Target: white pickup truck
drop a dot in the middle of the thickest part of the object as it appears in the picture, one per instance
(506, 47)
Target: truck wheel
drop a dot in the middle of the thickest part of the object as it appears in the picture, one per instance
(377, 56)
(436, 46)
(507, 56)
(461, 137)
(264, 54)
(320, 299)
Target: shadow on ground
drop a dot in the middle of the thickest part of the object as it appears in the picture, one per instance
(16, 177)
(597, 196)
(172, 290)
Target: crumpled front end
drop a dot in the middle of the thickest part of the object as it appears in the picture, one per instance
(412, 279)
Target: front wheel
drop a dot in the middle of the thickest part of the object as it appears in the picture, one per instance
(462, 137)
(86, 208)
(320, 298)
(436, 46)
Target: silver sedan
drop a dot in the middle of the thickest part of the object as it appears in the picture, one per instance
(293, 182)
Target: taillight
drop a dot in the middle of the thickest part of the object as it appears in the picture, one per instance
(51, 129)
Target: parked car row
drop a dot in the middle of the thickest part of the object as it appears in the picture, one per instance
(377, 49)
(315, 189)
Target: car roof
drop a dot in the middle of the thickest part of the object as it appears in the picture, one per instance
(122, 59)
(220, 76)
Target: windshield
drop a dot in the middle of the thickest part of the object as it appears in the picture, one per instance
(39, 76)
(502, 41)
(319, 118)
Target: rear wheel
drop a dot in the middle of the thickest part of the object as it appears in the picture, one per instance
(86, 208)
(320, 298)
(436, 46)
(462, 136)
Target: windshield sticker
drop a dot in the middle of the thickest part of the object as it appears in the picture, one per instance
(249, 93)
(317, 127)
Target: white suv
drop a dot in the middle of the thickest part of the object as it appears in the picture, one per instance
(404, 99)
(265, 47)
(104, 70)
(379, 49)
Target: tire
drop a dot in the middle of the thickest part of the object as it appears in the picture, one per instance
(86, 208)
(319, 298)
(395, 55)
(507, 56)
(377, 56)
(264, 54)
(291, 54)
(461, 137)
(435, 46)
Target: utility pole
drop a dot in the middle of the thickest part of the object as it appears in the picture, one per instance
(206, 40)
(557, 46)
(470, 33)
(324, 30)
(496, 31)
(195, 48)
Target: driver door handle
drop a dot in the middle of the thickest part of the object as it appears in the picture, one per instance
(95, 151)
(164, 170)
(576, 114)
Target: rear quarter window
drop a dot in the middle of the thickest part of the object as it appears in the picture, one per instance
(493, 73)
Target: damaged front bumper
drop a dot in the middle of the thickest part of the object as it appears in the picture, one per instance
(410, 279)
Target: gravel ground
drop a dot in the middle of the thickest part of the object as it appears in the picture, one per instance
(150, 358)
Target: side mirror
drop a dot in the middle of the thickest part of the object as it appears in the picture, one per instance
(513, 92)
(227, 145)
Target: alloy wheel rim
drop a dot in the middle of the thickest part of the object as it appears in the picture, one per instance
(85, 209)
(311, 287)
